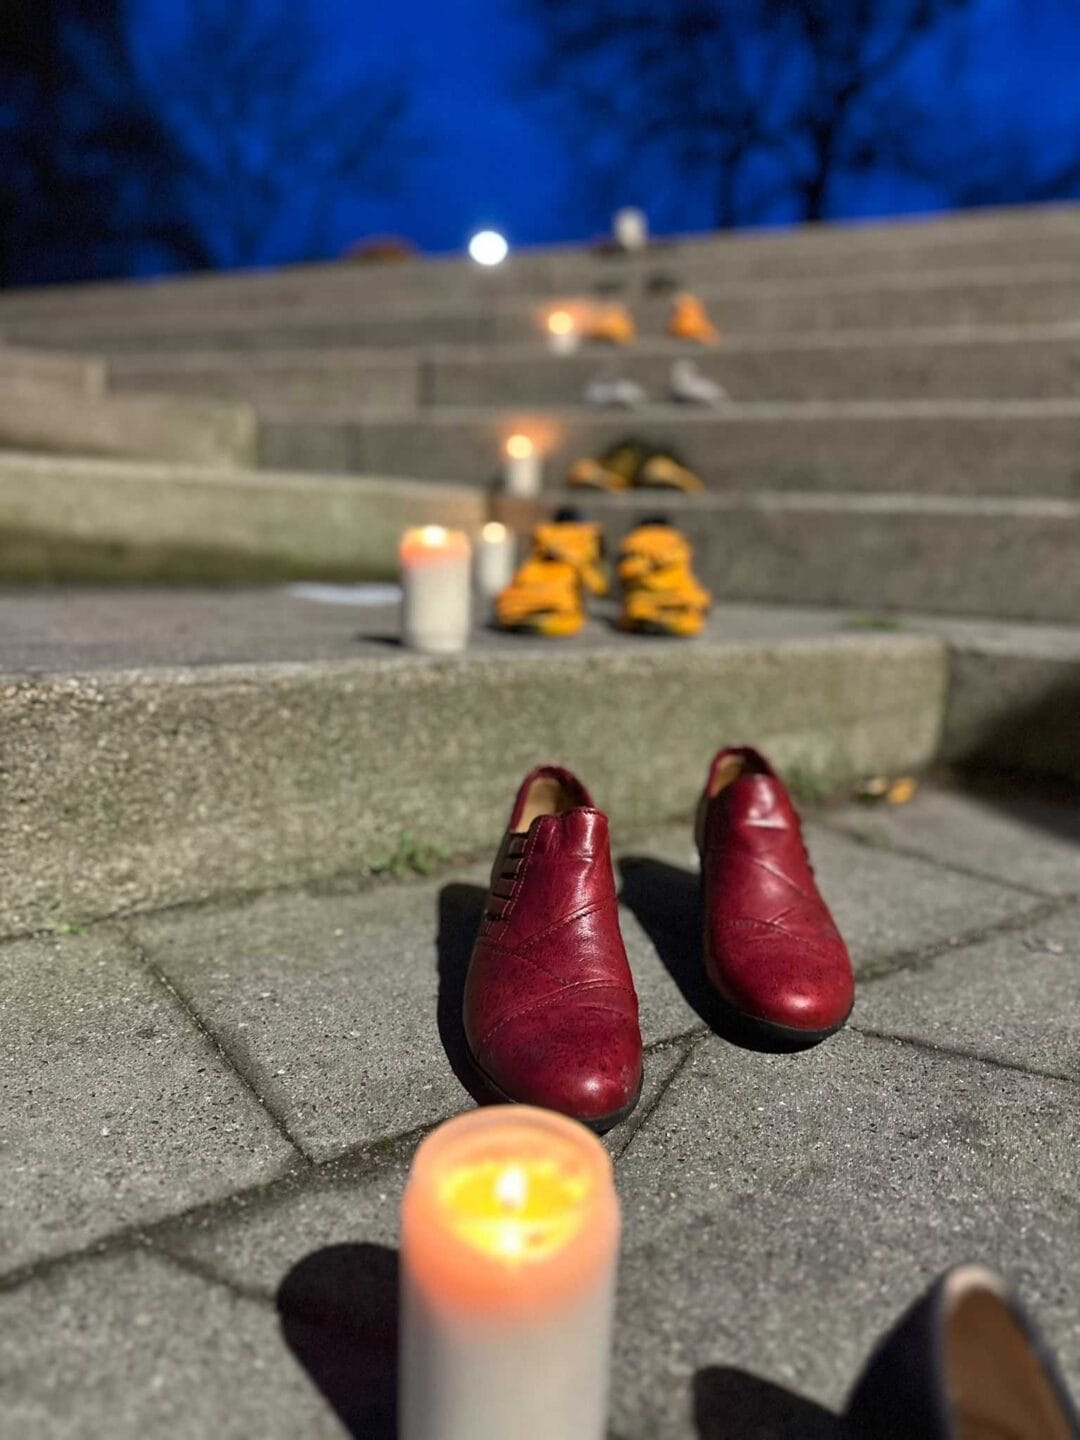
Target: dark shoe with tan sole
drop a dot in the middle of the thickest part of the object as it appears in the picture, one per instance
(551, 1014)
(964, 1363)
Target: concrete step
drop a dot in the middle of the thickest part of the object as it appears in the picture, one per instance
(43, 415)
(1028, 294)
(1002, 558)
(25, 367)
(121, 521)
(1029, 447)
(1010, 362)
(1033, 235)
(154, 784)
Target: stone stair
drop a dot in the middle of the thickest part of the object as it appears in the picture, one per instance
(901, 452)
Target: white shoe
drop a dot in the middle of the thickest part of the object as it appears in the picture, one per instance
(690, 387)
(614, 390)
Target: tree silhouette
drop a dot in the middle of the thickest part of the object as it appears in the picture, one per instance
(767, 105)
(266, 145)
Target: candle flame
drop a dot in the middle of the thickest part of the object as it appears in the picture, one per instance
(519, 447)
(493, 532)
(560, 322)
(433, 534)
(512, 1188)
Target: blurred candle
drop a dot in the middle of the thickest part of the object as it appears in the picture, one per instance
(495, 555)
(509, 1242)
(630, 227)
(563, 337)
(523, 469)
(436, 589)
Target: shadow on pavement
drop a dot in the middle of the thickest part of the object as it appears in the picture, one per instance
(666, 901)
(730, 1404)
(460, 909)
(338, 1309)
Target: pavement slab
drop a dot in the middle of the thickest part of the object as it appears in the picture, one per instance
(117, 1110)
(1017, 839)
(129, 1345)
(780, 1211)
(1013, 999)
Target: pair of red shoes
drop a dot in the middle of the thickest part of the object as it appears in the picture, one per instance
(551, 1014)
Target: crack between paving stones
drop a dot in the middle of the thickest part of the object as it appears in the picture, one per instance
(912, 852)
(961, 1052)
(898, 961)
(361, 1162)
(208, 1033)
(691, 1044)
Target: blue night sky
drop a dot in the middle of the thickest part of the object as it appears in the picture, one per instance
(494, 156)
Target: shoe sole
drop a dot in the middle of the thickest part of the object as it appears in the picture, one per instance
(599, 1126)
(788, 1037)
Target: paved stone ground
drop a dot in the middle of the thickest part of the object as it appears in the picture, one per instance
(208, 1113)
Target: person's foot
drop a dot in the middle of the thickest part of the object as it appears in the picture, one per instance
(551, 1014)
(964, 1363)
(689, 320)
(689, 386)
(661, 594)
(772, 950)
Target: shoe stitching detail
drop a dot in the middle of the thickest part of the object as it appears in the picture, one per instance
(509, 950)
(592, 908)
(811, 944)
(770, 870)
(544, 1000)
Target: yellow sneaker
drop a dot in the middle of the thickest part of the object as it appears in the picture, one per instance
(544, 598)
(690, 321)
(610, 325)
(661, 594)
(576, 542)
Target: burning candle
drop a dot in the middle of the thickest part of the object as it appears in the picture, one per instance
(523, 470)
(563, 337)
(630, 227)
(495, 555)
(436, 585)
(509, 1240)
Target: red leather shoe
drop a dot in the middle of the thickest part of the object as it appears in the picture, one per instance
(551, 1014)
(771, 947)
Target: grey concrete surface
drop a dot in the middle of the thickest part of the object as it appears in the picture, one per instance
(960, 447)
(1043, 234)
(795, 1204)
(67, 519)
(117, 1109)
(1000, 557)
(1018, 1002)
(41, 415)
(1026, 841)
(779, 1210)
(994, 294)
(143, 788)
(77, 374)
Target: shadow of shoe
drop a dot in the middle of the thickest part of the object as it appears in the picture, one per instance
(730, 1404)
(666, 902)
(338, 1309)
(460, 910)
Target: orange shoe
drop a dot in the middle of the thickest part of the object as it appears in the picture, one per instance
(544, 598)
(610, 325)
(689, 321)
(615, 470)
(661, 594)
(576, 542)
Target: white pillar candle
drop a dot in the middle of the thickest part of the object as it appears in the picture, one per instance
(495, 555)
(562, 333)
(523, 468)
(436, 589)
(509, 1243)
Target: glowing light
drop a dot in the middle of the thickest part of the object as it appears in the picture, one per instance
(433, 534)
(560, 322)
(493, 532)
(512, 1187)
(488, 247)
(519, 447)
(523, 1210)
